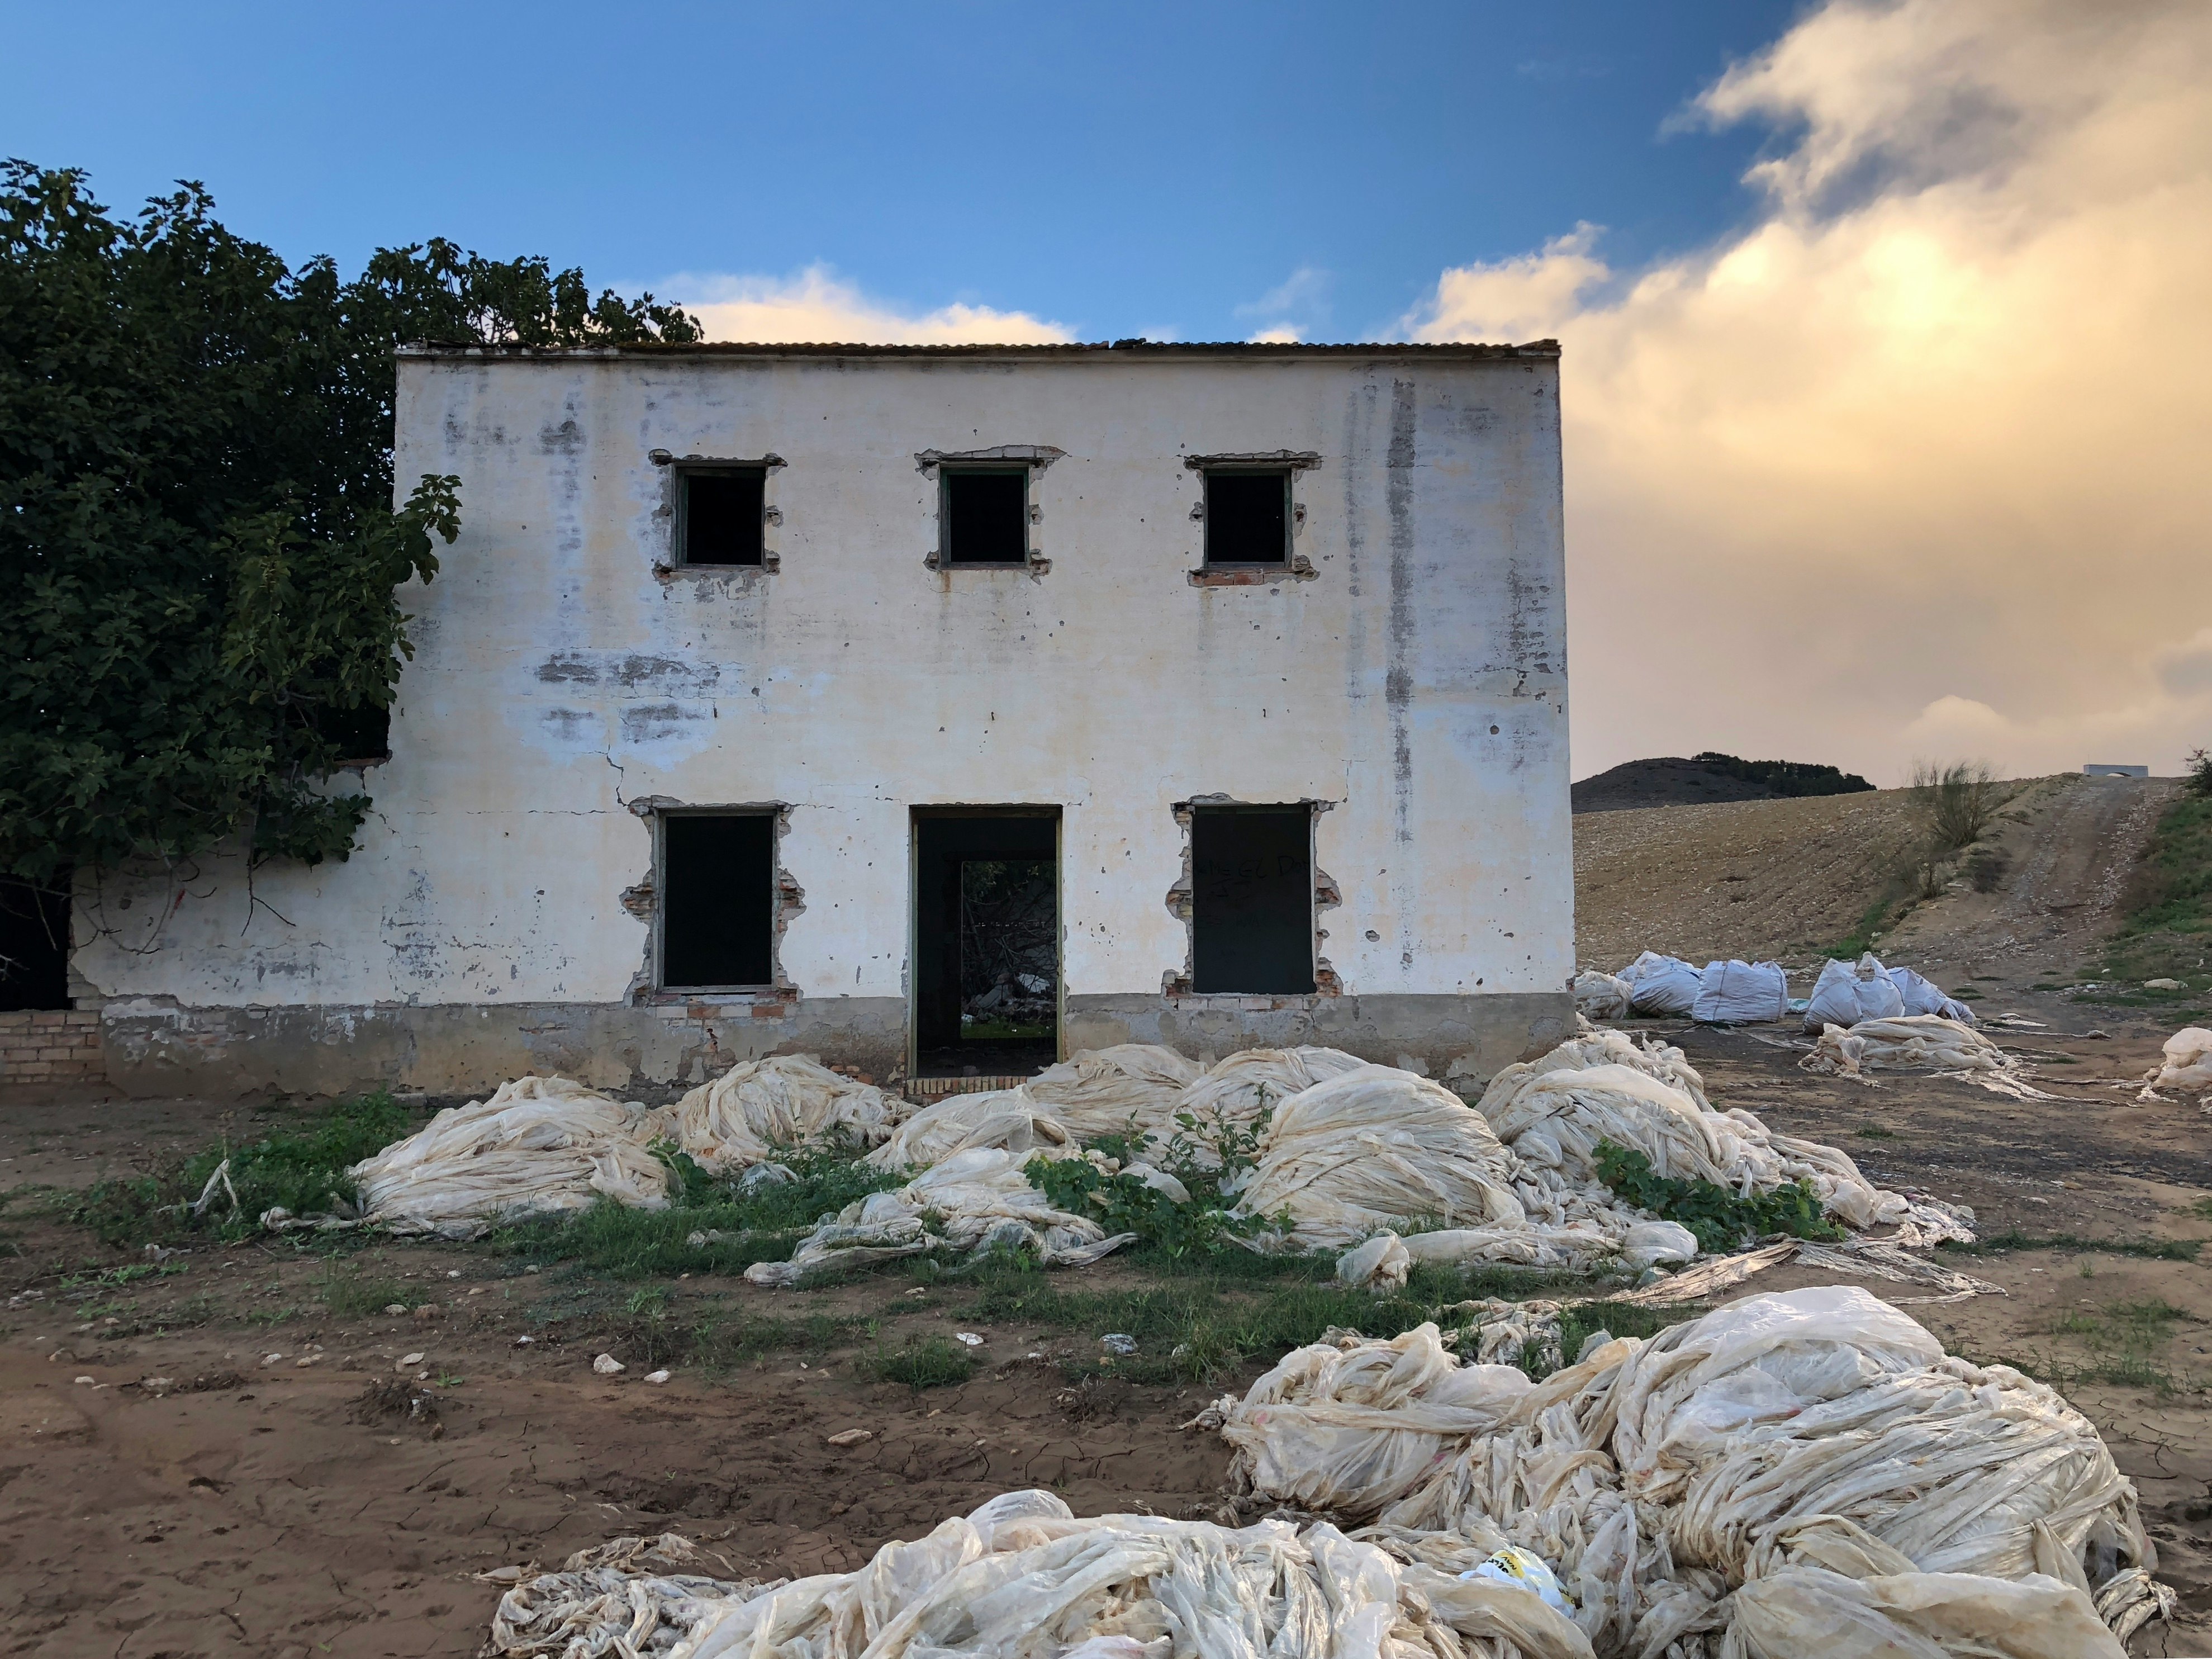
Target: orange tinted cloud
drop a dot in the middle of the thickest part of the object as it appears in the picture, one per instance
(1915, 464)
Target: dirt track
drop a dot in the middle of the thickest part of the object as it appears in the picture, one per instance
(1785, 879)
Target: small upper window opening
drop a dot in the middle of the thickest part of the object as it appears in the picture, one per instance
(1248, 516)
(718, 515)
(986, 516)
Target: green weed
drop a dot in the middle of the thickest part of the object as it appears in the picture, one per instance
(1873, 1132)
(2152, 1249)
(350, 1294)
(301, 1167)
(1721, 1221)
(931, 1362)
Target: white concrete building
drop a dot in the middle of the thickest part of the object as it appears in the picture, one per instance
(779, 698)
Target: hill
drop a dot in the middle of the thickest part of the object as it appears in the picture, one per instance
(1672, 781)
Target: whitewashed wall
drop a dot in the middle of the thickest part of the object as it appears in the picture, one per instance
(1417, 682)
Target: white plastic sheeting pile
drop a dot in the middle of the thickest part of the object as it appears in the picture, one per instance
(1734, 993)
(1001, 1120)
(631, 1595)
(540, 1145)
(1102, 1091)
(1910, 1042)
(1238, 1088)
(1603, 996)
(1773, 1440)
(744, 1116)
(1022, 1577)
(2185, 1065)
(980, 1199)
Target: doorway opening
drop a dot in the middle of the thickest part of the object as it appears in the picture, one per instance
(986, 988)
(34, 946)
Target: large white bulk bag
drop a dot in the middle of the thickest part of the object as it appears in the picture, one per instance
(1847, 992)
(1741, 994)
(1661, 984)
(1923, 996)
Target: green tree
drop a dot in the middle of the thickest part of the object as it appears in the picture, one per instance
(199, 547)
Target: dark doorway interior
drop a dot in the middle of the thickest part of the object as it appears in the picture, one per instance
(986, 942)
(717, 901)
(34, 947)
(1252, 916)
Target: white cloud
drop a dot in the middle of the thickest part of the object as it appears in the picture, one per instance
(1294, 310)
(1915, 460)
(816, 306)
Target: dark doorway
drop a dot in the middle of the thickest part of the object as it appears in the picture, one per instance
(717, 901)
(1252, 915)
(34, 946)
(986, 941)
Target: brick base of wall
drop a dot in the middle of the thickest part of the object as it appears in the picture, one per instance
(48, 1046)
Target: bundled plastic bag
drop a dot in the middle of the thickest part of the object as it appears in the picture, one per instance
(1007, 1120)
(741, 1117)
(1602, 996)
(2187, 1063)
(1238, 1086)
(540, 1145)
(1661, 984)
(1375, 1144)
(1102, 1091)
(1847, 992)
(1923, 996)
(1913, 1041)
(1735, 992)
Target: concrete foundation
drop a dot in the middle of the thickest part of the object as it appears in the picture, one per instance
(154, 1046)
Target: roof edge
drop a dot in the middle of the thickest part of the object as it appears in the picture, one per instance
(1117, 351)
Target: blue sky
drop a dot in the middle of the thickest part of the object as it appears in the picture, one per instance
(1120, 169)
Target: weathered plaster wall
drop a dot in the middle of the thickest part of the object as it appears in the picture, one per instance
(1416, 682)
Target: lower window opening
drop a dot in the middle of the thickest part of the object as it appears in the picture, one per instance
(986, 945)
(1252, 900)
(717, 901)
(34, 946)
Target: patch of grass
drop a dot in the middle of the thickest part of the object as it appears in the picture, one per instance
(350, 1294)
(1873, 1132)
(2202, 1209)
(647, 1334)
(1721, 1221)
(1197, 1325)
(927, 1362)
(2149, 1250)
(301, 1167)
(2165, 910)
(2123, 1340)
(1886, 909)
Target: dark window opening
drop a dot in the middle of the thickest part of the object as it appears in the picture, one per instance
(717, 901)
(1252, 914)
(34, 946)
(360, 735)
(718, 519)
(986, 517)
(987, 943)
(1248, 518)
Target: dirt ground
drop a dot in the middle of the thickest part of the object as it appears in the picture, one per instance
(259, 1505)
(1784, 879)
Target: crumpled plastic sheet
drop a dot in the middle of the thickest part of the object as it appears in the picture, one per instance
(1237, 1088)
(1909, 1042)
(1004, 1119)
(1104, 1091)
(1383, 1262)
(1658, 1477)
(1021, 1576)
(2185, 1065)
(743, 1117)
(1602, 996)
(629, 1598)
(981, 1201)
(540, 1145)
(1372, 1145)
